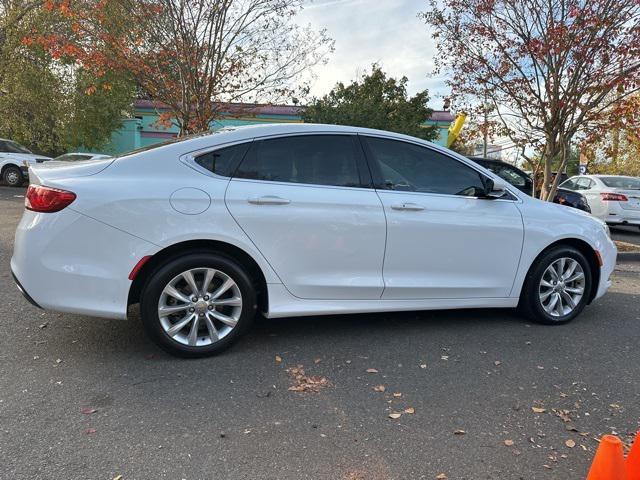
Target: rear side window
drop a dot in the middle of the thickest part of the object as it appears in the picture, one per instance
(570, 184)
(584, 183)
(309, 159)
(408, 167)
(224, 160)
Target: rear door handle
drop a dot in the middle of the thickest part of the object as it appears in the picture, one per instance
(412, 207)
(269, 200)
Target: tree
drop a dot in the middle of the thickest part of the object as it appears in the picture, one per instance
(194, 55)
(374, 101)
(49, 104)
(547, 66)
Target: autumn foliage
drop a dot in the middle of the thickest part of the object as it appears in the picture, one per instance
(549, 69)
(192, 55)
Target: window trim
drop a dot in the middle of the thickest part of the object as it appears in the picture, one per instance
(378, 183)
(364, 173)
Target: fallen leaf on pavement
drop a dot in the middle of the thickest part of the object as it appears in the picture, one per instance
(441, 476)
(508, 443)
(395, 415)
(379, 388)
(397, 394)
(570, 443)
(372, 370)
(410, 410)
(538, 409)
(89, 431)
(497, 362)
(317, 360)
(87, 410)
(459, 432)
(305, 383)
(118, 477)
(278, 359)
(423, 365)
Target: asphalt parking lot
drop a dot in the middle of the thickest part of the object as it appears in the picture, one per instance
(84, 398)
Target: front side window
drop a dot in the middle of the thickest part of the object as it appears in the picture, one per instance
(310, 159)
(408, 167)
(13, 147)
(224, 160)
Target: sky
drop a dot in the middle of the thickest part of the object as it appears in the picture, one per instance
(387, 32)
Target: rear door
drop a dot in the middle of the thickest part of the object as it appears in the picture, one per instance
(307, 203)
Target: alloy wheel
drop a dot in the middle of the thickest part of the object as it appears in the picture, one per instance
(562, 287)
(12, 177)
(200, 307)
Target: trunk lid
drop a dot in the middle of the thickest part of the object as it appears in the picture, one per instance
(49, 173)
(634, 199)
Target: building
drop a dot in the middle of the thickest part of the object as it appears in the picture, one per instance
(143, 129)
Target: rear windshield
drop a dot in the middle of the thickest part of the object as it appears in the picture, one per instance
(625, 183)
(175, 140)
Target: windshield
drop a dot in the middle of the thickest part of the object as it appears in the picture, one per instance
(13, 147)
(625, 183)
(72, 157)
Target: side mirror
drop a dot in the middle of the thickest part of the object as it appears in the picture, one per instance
(494, 188)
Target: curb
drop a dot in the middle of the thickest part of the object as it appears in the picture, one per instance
(624, 257)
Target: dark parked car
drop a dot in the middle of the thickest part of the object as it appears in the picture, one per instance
(523, 182)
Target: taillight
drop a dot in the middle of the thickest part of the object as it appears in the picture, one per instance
(46, 199)
(613, 197)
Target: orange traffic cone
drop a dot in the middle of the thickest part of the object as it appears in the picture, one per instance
(608, 463)
(633, 460)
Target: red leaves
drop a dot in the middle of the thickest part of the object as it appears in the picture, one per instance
(87, 410)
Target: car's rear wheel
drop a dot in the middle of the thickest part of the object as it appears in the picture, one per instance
(12, 176)
(198, 304)
(557, 286)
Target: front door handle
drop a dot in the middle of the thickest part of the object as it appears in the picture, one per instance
(269, 200)
(412, 207)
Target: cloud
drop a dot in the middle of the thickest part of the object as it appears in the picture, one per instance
(387, 32)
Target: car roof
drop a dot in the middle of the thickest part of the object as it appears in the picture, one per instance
(229, 135)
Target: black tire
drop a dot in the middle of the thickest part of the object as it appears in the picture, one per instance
(12, 176)
(159, 279)
(530, 304)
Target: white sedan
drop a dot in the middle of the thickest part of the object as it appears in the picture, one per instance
(295, 220)
(614, 199)
(80, 157)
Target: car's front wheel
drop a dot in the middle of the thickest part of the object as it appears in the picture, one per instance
(557, 286)
(12, 176)
(198, 304)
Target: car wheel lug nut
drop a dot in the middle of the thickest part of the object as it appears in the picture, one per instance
(192, 309)
(206, 297)
(194, 299)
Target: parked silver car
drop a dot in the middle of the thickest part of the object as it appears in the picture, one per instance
(612, 198)
(15, 161)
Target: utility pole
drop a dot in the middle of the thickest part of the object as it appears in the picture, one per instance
(485, 127)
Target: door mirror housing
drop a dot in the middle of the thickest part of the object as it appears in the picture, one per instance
(494, 188)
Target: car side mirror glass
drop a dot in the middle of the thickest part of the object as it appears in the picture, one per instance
(494, 188)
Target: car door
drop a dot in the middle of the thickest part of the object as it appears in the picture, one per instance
(589, 189)
(307, 203)
(443, 240)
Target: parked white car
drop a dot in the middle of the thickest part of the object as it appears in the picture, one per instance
(297, 220)
(15, 161)
(614, 199)
(80, 156)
